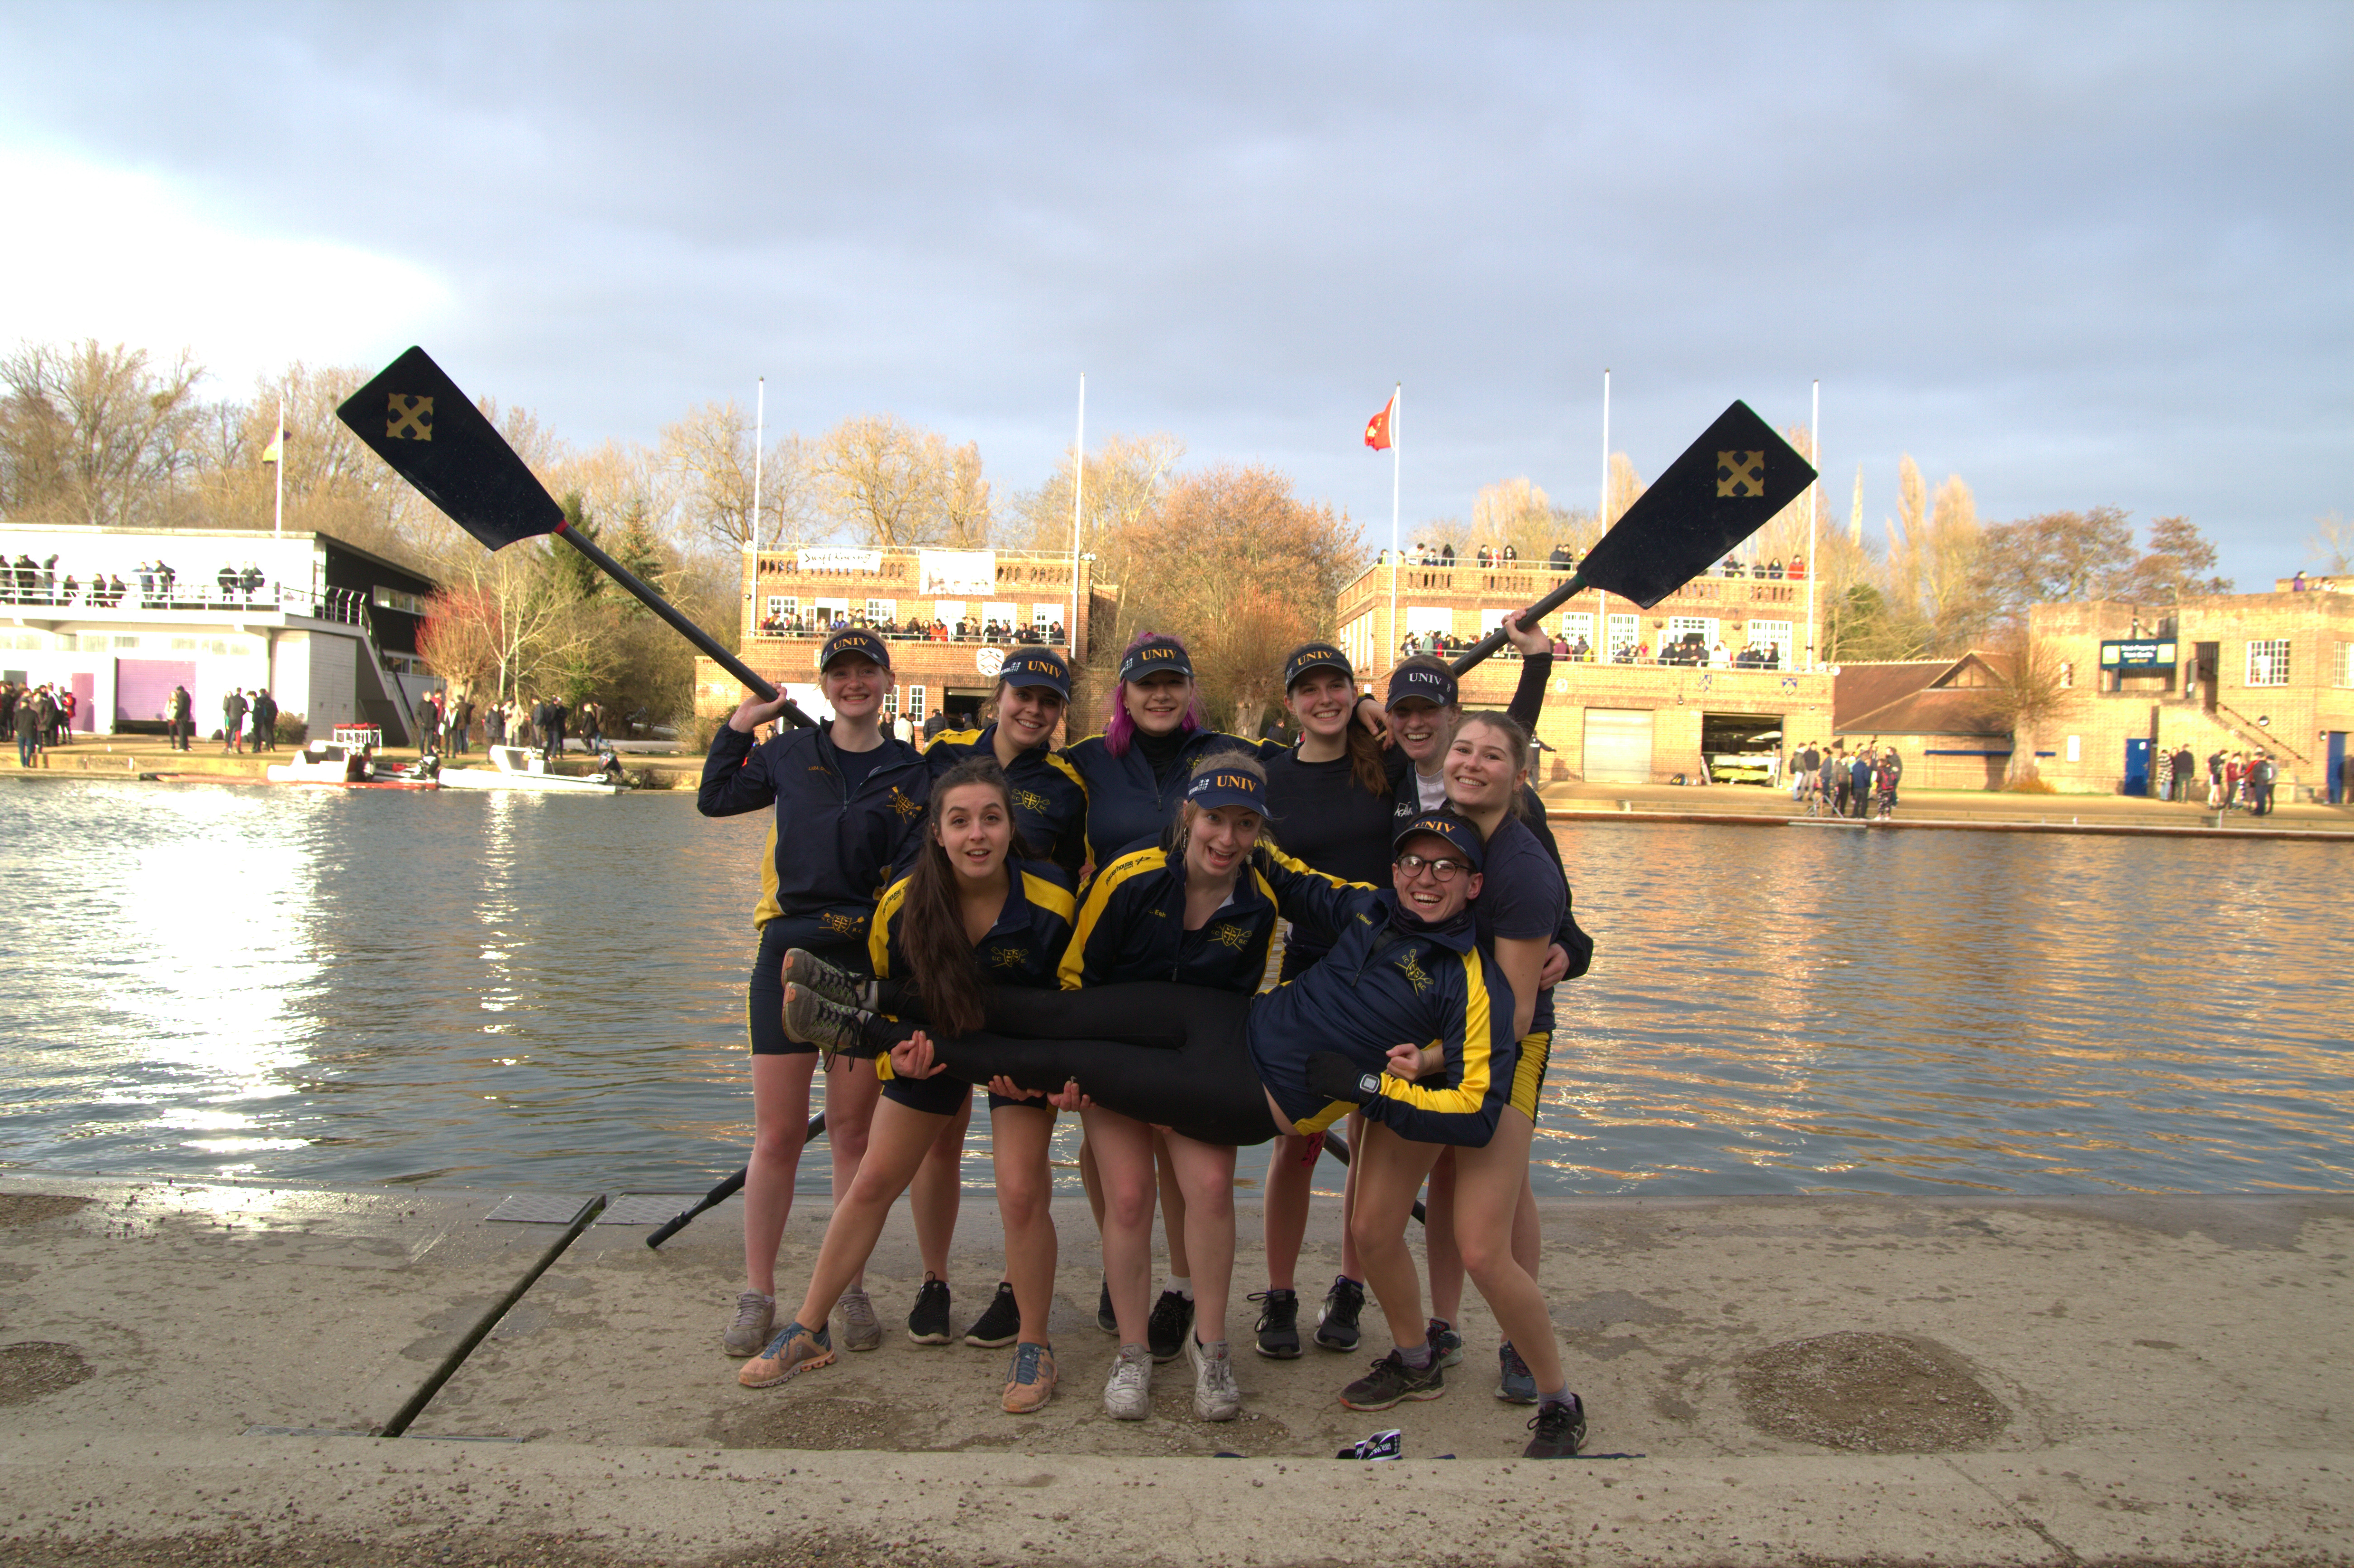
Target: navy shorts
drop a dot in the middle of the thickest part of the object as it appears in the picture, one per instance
(938, 1094)
(764, 1006)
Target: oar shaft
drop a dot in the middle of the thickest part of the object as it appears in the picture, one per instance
(725, 1190)
(1535, 612)
(679, 623)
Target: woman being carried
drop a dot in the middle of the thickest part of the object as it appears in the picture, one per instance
(969, 909)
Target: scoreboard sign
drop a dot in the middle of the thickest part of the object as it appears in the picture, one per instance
(2131, 657)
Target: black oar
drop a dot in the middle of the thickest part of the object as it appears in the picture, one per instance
(724, 1191)
(413, 416)
(1726, 486)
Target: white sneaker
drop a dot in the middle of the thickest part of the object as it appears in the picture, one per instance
(861, 1328)
(1216, 1397)
(1128, 1394)
(756, 1317)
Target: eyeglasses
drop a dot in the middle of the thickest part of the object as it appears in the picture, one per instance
(1440, 870)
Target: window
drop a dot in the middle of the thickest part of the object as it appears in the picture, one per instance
(1576, 624)
(2342, 673)
(879, 611)
(1426, 618)
(891, 703)
(2268, 662)
(914, 704)
(1678, 625)
(1044, 615)
(1773, 634)
(1625, 631)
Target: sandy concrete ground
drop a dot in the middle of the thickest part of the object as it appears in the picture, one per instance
(1839, 1380)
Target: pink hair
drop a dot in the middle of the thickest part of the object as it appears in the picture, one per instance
(1120, 730)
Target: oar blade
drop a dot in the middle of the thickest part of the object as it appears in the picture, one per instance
(1726, 486)
(413, 416)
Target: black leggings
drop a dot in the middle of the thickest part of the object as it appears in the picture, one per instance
(1175, 1055)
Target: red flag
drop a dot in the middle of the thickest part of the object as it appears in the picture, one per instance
(1377, 429)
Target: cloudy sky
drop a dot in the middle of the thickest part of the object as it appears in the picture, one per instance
(2076, 254)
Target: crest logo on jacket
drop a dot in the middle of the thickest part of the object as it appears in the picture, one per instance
(1228, 935)
(844, 925)
(907, 809)
(1009, 958)
(1414, 975)
(1031, 801)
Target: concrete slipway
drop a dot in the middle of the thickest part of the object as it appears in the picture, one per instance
(190, 1373)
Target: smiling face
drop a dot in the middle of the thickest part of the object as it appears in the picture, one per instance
(1029, 714)
(1217, 840)
(971, 825)
(1322, 701)
(1481, 767)
(1423, 891)
(1156, 705)
(1422, 729)
(855, 685)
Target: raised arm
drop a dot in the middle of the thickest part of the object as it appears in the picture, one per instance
(1303, 893)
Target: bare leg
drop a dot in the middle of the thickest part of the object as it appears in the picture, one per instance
(1124, 1160)
(1290, 1185)
(901, 1138)
(851, 1091)
(1390, 1173)
(1206, 1172)
(1020, 1138)
(780, 1096)
(1091, 1178)
(1351, 1263)
(1488, 1183)
(1439, 1243)
(1172, 1208)
(936, 1192)
(1528, 1231)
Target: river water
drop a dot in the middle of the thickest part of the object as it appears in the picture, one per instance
(547, 993)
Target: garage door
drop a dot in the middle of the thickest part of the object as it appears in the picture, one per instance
(1619, 745)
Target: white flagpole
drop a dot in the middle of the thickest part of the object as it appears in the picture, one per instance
(1397, 404)
(759, 437)
(1814, 561)
(1078, 494)
(278, 510)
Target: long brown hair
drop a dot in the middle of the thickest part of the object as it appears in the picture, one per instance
(931, 922)
(1367, 769)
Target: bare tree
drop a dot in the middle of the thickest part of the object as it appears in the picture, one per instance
(887, 480)
(2331, 545)
(93, 435)
(965, 504)
(2180, 565)
(2032, 696)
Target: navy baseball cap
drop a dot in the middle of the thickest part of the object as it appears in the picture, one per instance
(1425, 682)
(1460, 836)
(1226, 787)
(854, 640)
(1037, 667)
(1155, 656)
(1314, 656)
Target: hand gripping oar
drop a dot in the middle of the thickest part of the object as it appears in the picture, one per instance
(724, 1191)
(1726, 486)
(414, 417)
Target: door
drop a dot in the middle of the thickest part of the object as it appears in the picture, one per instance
(2336, 779)
(1619, 745)
(85, 694)
(2205, 660)
(142, 687)
(2136, 768)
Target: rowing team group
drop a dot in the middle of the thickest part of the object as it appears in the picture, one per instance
(1429, 920)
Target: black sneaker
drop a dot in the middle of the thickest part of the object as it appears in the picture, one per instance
(1445, 1342)
(928, 1323)
(1278, 1324)
(1559, 1428)
(1391, 1381)
(1000, 1325)
(1336, 1326)
(1105, 1318)
(1172, 1321)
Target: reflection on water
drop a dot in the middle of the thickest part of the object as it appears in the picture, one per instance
(547, 992)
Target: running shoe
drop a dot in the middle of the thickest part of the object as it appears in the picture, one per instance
(1105, 1318)
(1031, 1383)
(756, 1316)
(861, 1330)
(1278, 1324)
(1216, 1397)
(1444, 1341)
(1127, 1394)
(833, 1028)
(1518, 1385)
(837, 985)
(927, 1323)
(1559, 1427)
(1336, 1326)
(1170, 1327)
(1392, 1381)
(794, 1350)
(1000, 1325)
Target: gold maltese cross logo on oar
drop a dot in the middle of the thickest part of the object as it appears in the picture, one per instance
(407, 418)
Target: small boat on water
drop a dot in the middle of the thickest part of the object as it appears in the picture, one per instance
(336, 766)
(520, 768)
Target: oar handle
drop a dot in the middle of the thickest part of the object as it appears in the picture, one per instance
(724, 1191)
(680, 623)
(1528, 620)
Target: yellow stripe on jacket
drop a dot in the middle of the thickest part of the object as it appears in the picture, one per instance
(1466, 1097)
(1099, 891)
